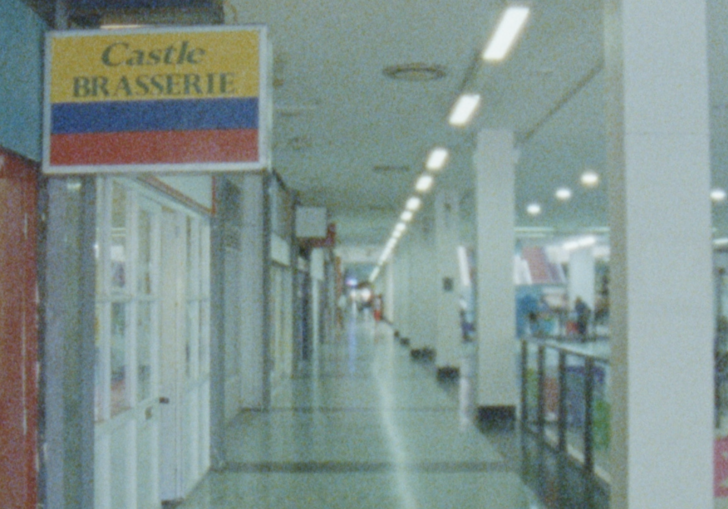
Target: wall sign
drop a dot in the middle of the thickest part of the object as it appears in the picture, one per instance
(156, 100)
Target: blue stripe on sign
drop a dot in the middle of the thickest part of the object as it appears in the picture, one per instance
(169, 115)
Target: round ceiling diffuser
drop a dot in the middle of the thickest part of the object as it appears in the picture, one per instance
(414, 72)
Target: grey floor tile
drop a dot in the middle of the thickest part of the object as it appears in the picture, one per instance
(361, 427)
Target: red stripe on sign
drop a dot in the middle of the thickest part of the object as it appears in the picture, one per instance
(155, 147)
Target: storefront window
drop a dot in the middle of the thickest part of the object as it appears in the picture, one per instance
(119, 396)
(144, 350)
(205, 339)
(118, 237)
(99, 368)
(144, 260)
(193, 327)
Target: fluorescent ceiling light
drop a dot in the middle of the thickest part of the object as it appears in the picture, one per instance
(464, 109)
(407, 216)
(374, 275)
(437, 159)
(590, 178)
(413, 204)
(721, 242)
(534, 209)
(563, 193)
(424, 183)
(587, 241)
(464, 266)
(717, 195)
(506, 33)
(400, 227)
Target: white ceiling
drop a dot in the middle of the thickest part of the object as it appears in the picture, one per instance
(337, 116)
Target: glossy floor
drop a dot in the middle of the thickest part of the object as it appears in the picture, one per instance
(365, 427)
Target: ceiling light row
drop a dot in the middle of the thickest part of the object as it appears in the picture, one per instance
(436, 161)
(499, 45)
(717, 195)
(504, 37)
(589, 178)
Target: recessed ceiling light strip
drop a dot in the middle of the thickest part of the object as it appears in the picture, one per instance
(424, 183)
(437, 159)
(509, 28)
(464, 109)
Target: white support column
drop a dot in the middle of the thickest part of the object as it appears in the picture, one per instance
(402, 297)
(661, 294)
(494, 162)
(423, 285)
(255, 274)
(581, 276)
(388, 308)
(448, 338)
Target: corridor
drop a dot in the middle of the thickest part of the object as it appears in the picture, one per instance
(363, 427)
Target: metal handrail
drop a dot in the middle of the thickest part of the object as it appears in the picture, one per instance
(564, 349)
(569, 345)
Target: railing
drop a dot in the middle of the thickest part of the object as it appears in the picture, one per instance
(565, 400)
(564, 397)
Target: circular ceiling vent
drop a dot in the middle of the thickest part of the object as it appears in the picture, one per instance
(414, 72)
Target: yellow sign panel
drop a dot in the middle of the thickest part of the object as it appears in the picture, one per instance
(157, 99)
(155, 66)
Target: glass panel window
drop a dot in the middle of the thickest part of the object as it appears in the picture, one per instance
(118, 248)
(205, 339)
(119, 371)
(98, 243)
(144, 339)
(193, 258)
(144, 260)
(205, 260)
(192, 349)
(100, 367)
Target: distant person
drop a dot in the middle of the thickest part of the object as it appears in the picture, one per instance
(377, 305)
(582, 312)
(540, 321)
(527, 310)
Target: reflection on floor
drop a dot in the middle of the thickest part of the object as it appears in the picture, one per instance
(367, 427)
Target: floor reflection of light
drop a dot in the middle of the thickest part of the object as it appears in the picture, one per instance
(382, 368)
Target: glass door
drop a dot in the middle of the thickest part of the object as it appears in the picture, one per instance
(152, 347)
(185, 353)
(127, 339)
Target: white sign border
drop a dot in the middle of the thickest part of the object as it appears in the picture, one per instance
(265, 108)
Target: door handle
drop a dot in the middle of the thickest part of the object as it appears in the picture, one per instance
(164, 400)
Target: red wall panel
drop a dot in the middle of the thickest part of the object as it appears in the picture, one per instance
(18, 333)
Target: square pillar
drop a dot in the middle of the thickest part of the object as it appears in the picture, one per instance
(494, 163)
(661, 295)
(448, 339)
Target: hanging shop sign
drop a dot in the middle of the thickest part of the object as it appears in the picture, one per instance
(156, 100)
